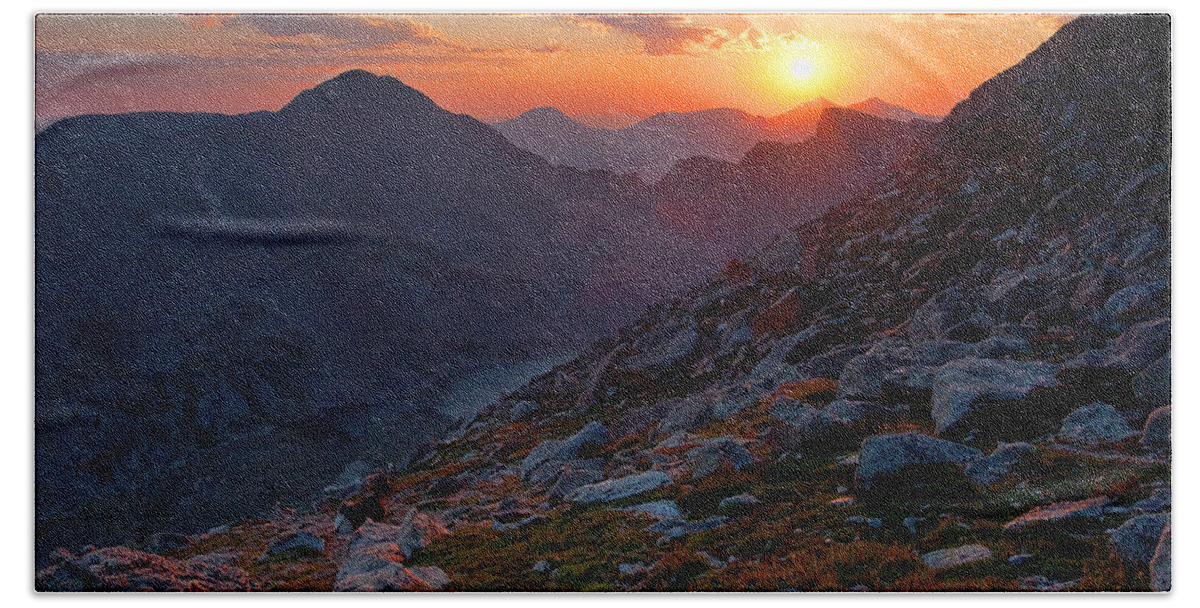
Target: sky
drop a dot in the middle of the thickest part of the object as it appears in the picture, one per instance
(497, 66)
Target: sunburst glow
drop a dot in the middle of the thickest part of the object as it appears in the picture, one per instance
(802, 68)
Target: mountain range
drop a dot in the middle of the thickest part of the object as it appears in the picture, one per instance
(650, 147)
(200, 285)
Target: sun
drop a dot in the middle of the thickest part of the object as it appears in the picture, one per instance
(802, 68)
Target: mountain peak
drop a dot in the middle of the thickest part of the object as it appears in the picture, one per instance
(358, 89)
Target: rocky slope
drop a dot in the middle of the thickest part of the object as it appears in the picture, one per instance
(958, 379)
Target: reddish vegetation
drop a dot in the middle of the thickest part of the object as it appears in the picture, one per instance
(806, 388)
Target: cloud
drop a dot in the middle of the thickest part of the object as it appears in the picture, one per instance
(660, 34)
(342, 31)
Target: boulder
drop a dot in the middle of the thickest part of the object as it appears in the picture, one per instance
(986, 471)
(708, 457)
(1157, 433)
(964, 388)
(863, 376)
(957, 556)
(1158, 501)
(565, 449)
(1136, 298)
(844, 410)
(572, 479)
(675, 528)
(908, 455)
(378, 567)
(1133, 350)
(1137, 539)
(793, 425)
(614, 489)
(1160, 565)
(161, 542)
(124, 569)
(520, 409)
(661, 352)
(1095, 424)
(659, 509)
(945, 315)
(1059, 511)
(1153, 384)
(297, 543)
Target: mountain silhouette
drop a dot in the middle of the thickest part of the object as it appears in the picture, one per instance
(214, 292)
(743, 206)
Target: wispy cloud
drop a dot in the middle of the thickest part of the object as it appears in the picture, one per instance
(659, 34)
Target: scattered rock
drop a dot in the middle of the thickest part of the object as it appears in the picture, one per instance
(614, 489)
(1135, 349)
(434, 576)
(957, 556)
(1038, 582)
(1095, 424)
(659, 509)
(378, 567)
(520, 409)
(1059, 511)
(566, 449)
(1153, 384)
(1137, 539)
(674, 528)
(1019, 558)
(627, 569)
(986, 471)
(124, 569)
(1159, 500)
(870, 521)
(709, 457)
(162, 542)
(906, 455)
(794, 425)
(740, 500)
(301, 543)
(572, 479)
(541, 566)
(1157, 433)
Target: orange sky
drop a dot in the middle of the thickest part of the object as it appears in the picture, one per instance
(501, 65)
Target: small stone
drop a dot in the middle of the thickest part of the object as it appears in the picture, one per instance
(957, 556)
(1092, 507)
(541, 566)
